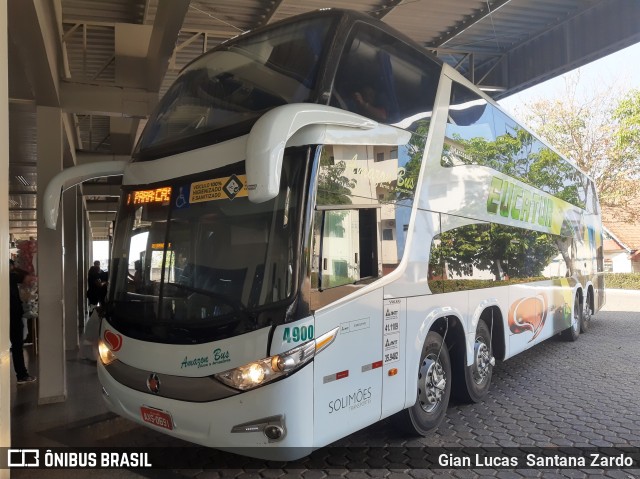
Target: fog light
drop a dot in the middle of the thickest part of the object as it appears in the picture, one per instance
(273, 432)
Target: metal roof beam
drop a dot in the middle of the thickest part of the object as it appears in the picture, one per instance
(607, 26)
(106, 100)
(166, 27)
(101, 217)
(102, 206)
(94, 189)
(385, 8)
(271, 11)
(123, 135)
(33, 31)
(468, 21)
(84, 157)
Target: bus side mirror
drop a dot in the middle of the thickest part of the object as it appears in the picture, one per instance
(269, 136)
(71, 177)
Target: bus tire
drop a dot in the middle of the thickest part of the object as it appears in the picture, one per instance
(471, 383)
(586, 314)
(573, 331)
(434, 389)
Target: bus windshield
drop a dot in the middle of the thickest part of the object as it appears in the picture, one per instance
(234, 85)
(195, 261)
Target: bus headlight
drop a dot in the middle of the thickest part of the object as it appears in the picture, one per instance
(265, 370)
(106, 355)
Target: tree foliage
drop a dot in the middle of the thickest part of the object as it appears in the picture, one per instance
(334, 188)
(600, 131)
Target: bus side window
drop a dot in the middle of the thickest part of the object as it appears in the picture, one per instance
(478, 133)
(345, 253)
(482, 255)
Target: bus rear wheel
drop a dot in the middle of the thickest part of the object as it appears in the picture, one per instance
(472, 383)
(586, 314)
(573, 331)
(434, 389)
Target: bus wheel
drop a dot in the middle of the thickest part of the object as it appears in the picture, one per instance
(586, 315)
(471, 383)
(434, 389)
(572, 332)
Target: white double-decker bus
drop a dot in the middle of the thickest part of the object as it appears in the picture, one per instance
(322, 226)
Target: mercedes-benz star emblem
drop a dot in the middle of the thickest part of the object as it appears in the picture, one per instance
(153, 383)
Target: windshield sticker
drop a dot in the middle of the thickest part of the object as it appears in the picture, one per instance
(181, 200)
(226, 188)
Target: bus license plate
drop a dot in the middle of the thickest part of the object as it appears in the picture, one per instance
(156, 417)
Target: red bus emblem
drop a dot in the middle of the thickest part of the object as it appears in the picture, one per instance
(113, 340)
(153, 383)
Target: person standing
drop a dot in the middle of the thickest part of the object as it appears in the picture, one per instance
(96, 287)
(16, 327)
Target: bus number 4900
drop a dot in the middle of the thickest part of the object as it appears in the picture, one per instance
(296, 334)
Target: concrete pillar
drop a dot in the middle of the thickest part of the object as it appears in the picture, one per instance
(88, 250)
(69, 226)
(80, 272)
(5, 356)
(51, 377)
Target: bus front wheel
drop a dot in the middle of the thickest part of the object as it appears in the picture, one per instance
(434, 389)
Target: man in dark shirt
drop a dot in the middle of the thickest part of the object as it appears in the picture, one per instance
(16, 327)
(97, 287)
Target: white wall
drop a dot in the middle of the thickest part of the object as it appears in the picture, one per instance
(620, 261)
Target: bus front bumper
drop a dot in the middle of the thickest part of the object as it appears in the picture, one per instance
(272, 422)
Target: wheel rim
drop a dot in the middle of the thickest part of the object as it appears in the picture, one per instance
(587, 311)
(432, 382)
(575, 320)
(482, 363)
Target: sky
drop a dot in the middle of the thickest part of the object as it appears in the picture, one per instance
(619, 69)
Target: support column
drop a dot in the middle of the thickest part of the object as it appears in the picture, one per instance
(5, 361)
(52, 374)
(69, 224)
(88, 249)
(80, 271)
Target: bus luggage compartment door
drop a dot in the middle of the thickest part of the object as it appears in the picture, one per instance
(348, 375)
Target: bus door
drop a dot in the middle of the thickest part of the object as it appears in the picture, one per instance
(347, 375)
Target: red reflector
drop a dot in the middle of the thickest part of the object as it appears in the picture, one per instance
(377, 364)
(342, 374)
(392, 372)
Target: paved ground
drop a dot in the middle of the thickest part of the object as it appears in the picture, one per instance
(584, 394)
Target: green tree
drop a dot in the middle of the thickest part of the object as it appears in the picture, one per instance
(333, 187)
(504, 251)
(415, 151)
(600, 131)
